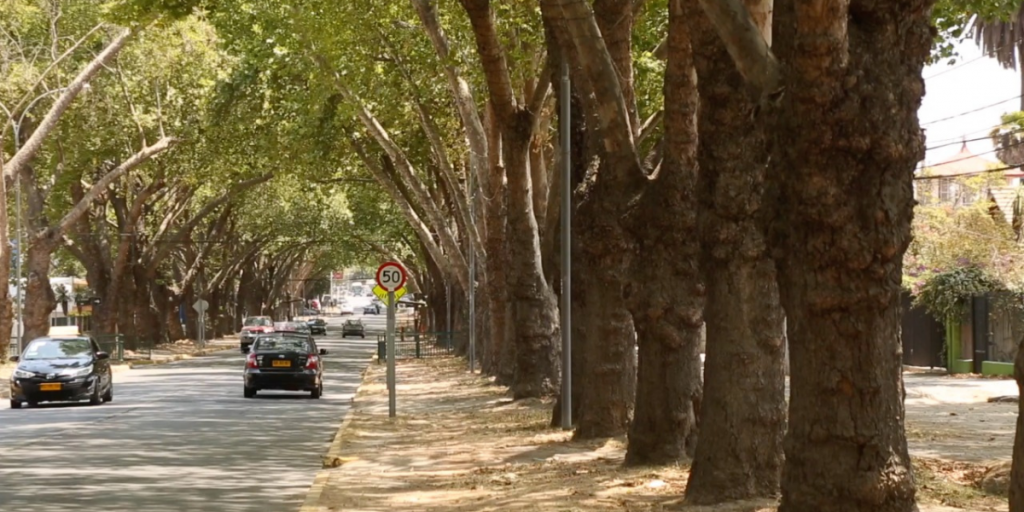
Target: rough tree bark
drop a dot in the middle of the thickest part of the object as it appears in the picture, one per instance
(744, 378)
(502, 333)
(537, 351)
(847, 142)
(597, 44)
(666, 295)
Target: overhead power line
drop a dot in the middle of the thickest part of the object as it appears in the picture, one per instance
(1015, 144)
(983, 56)
(979, 109)
(961, 141)
(971, 173)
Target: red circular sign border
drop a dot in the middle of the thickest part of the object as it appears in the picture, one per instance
(405, 276)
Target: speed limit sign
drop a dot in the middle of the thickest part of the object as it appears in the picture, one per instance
(391, 276)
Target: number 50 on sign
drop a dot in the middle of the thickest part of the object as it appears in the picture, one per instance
(391, 276)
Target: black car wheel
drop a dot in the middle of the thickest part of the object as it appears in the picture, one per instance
(109, 395)
(363, 336)
(95, 398)
(316, 392)
(249, 392)
(15, 404)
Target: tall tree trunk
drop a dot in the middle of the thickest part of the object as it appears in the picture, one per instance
(502, 330)
(6, 316)
(537, 370)
(667, 296)
(848, 140)
(607, 342)
(148, 320)
(40, 300)
(744, 378)
(1017, 470)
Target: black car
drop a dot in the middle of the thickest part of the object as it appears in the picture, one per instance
(284, 361)
(354, 328)
(317, 326)
(55, 369)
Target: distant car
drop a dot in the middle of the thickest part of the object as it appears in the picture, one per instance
(61, 369)
(252, 327)
(317, 326)
(372, 308)
(346, 309)
(353, 328)
(299, 328)
(284, 361)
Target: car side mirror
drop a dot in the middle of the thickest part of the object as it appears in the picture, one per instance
(102, 355)
(15, 359)
(323, 351)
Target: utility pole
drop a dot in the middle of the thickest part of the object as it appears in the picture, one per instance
(565, 306)
(472, 277)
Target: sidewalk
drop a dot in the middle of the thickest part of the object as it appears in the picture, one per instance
(460, 444)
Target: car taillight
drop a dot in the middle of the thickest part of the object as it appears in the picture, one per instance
(250, 361)
(312, 362)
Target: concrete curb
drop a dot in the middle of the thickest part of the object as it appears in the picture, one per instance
(312, 501)
(177, 357)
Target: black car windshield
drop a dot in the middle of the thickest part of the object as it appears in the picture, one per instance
(281, 344)
(257, 322)
(58, 349)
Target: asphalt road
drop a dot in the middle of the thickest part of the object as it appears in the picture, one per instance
(179, 437)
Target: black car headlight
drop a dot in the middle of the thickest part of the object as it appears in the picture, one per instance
(22, 374)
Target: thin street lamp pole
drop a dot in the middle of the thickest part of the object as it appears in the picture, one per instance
(16, 128)
(448, 314)
(472, 278)
(566, 302)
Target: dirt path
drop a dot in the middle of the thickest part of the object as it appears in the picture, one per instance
(460, 444)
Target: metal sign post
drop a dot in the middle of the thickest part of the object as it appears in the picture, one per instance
(392, 406)
(200, 306)
(391, 278)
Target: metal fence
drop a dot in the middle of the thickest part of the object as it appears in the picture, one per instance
(419, 345)
(123, 347)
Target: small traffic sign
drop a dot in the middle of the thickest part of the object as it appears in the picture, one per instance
(200, 306)
(391, 276)
(382, 294)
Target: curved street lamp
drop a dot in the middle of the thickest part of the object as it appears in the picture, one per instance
(17, 194)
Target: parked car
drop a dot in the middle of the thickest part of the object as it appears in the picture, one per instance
(372, 308)
(346, 309)
(252, 327)
(317, 326)
(353, 327)
(61, 369)
(283, 361)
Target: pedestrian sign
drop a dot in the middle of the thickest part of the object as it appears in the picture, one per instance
(382, 294)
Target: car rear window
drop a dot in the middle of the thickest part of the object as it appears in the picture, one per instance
(282, 344)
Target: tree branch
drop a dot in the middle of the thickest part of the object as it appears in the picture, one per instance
(492, 57)
(746, 45)
(100, 186)
(600, 72)
(35, 142)
(163, 247)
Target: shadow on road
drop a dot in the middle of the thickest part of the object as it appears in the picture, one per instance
(178, 437)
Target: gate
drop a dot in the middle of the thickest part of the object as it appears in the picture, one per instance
(923, 336)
